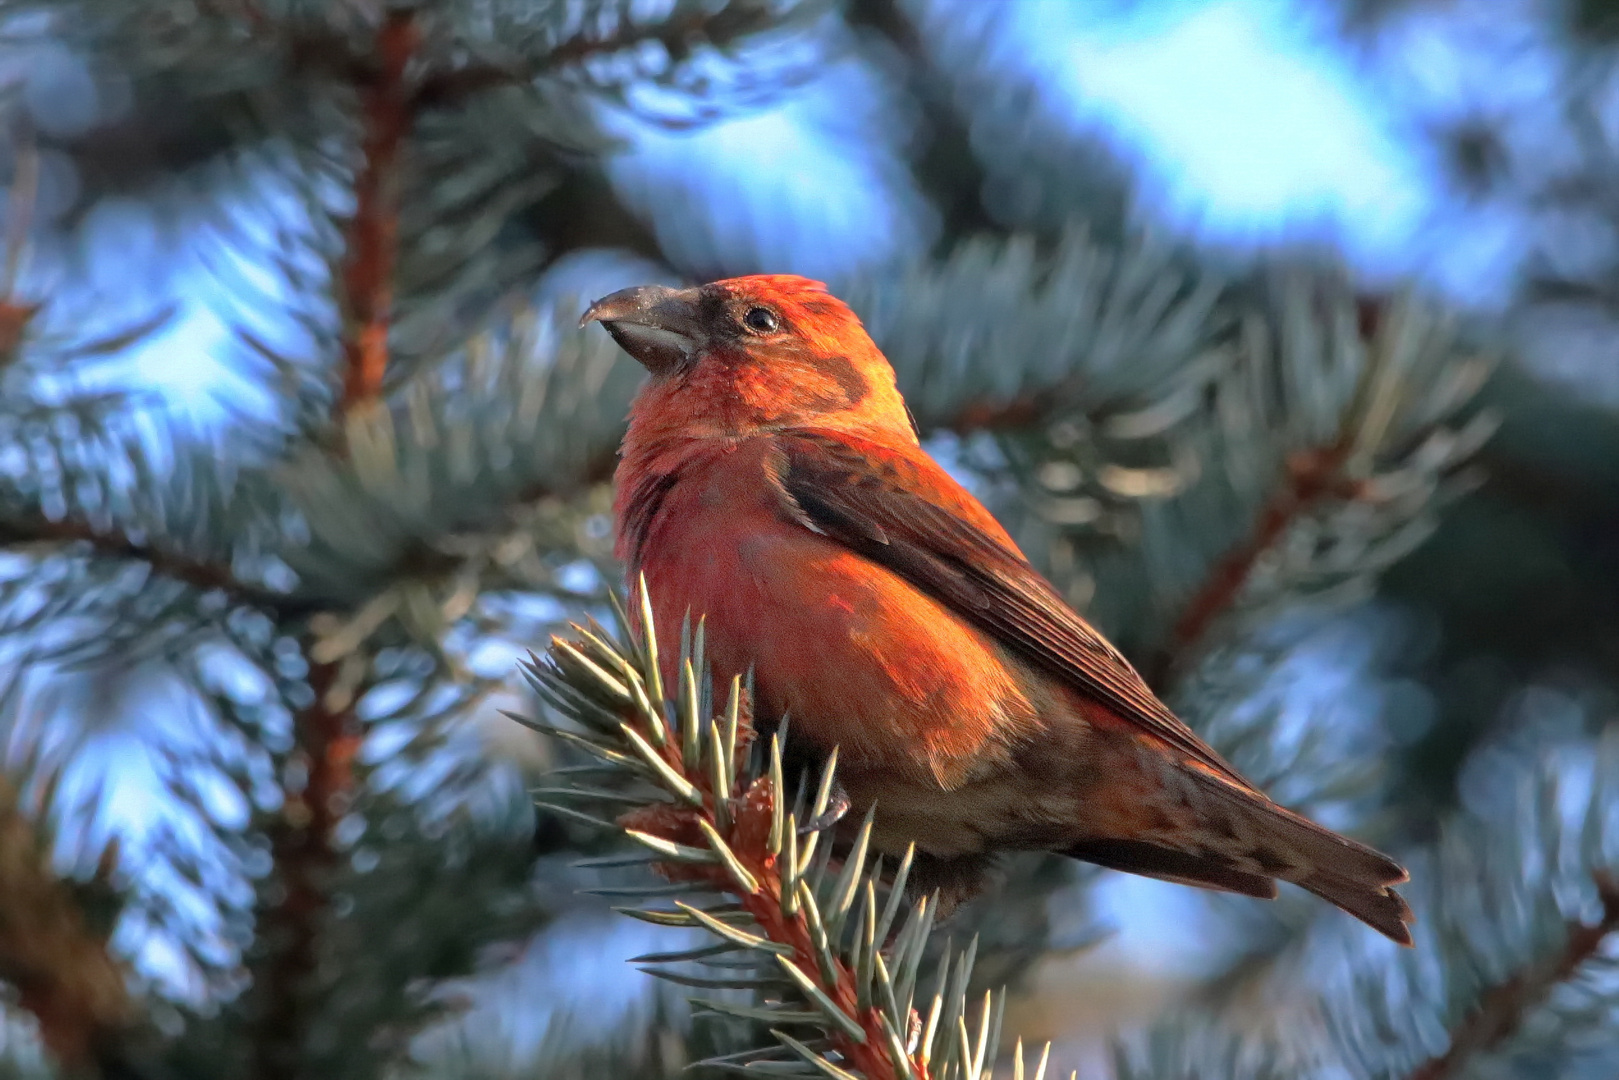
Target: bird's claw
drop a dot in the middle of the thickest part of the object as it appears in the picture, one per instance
(836, 807)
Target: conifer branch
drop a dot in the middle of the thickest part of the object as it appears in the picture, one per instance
(371, 247)
(198, 573)
(1023, 411)
(945, 167)
(1311, 477)
(16, 313)
(304, 854)
(1338, 469)
(1502, 1009)
(720, 26)
(678, 36)
(839, 982)
(58, 964)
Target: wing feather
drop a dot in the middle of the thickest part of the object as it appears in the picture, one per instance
(903, 511)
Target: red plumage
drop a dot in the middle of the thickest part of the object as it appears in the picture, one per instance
(772, 482)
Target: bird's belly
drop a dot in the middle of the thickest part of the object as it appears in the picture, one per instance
(857, 656)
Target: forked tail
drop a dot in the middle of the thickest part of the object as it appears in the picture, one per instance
(1244, 843)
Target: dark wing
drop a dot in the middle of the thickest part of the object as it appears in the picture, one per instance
(906, 513)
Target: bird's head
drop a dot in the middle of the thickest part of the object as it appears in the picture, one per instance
(755, 353)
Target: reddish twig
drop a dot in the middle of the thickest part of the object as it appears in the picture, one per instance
(372, 243)
(303, 851)
(15, 314)
(991, 415)
(744, 822)
(60, 968)
(750, 816)
(1502, 1009)
(197, 573)
(1312, 475)
(726, 831)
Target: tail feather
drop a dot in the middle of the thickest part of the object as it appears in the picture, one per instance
(1241, 842)
(1379, 907)
(1288, 846)
(1168, 864)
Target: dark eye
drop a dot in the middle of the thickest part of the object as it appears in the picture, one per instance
(761, 320)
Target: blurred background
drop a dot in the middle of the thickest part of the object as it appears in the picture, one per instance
(1284, 334)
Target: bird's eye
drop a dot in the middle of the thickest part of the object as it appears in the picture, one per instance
(761, 320)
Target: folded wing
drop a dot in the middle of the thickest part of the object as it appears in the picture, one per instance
(905, 512)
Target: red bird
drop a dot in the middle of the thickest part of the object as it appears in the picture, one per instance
(772, 480)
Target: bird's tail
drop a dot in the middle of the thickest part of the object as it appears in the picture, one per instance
(1243, 843)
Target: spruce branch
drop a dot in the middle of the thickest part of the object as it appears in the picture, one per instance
(371, 246)
(1187, 1046)
(1391, 375)
(430, 488)
(837, 970)
(1503, 1008)
(1023, 411)
(945, 166)
(679, 36)
(35, 530)
(304, 853)
(51, 950)
(1517, 908)
(1311, 477)
(15, 313)
(1513, 973)
(1010, 332)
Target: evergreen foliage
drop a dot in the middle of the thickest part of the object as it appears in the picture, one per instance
(305, 623)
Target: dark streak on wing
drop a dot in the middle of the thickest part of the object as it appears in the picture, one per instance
(872, 507)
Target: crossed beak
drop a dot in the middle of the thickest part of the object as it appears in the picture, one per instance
(657, 325)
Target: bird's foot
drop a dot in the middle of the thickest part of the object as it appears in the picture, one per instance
(836, 807)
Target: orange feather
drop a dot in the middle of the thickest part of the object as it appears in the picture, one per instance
(772, 483)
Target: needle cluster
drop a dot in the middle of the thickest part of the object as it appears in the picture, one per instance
(826, 942)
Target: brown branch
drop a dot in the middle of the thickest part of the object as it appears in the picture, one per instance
(749, 814)
(210, 576)
(199, 574)
(302, 847)
(727, 830)
(59, 967)
(372, 243)
(1019, 412)
(1503, 1008)
(1312, 475)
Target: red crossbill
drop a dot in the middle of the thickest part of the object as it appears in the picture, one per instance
(772, 481)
